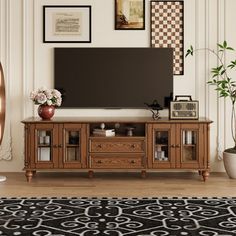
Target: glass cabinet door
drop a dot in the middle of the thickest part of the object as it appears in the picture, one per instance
(72, 142)
(44, 145)
(74, 148)
(189, 145)
(161, 152)
(163, 140)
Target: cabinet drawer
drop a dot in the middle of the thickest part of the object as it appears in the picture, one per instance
(117, 146)
(116, 161)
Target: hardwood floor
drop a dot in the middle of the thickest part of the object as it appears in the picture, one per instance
(115, 184)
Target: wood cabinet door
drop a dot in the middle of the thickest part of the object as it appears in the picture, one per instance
(44, 141)
(190, 146)
(72, 146)
(161, 141)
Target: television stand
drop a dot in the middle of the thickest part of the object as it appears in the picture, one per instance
(70, 143)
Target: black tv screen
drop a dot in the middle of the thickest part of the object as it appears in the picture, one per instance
(113, 77)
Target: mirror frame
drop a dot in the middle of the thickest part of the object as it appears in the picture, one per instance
(2, 103)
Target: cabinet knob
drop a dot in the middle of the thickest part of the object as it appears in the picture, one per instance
(55, 146)
(172, 146)
(60, 145)
(177, 145)
(132, 162)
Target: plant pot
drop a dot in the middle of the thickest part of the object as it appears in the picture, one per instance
(229, 159)
(46, 112)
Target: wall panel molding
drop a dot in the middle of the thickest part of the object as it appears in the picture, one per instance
(5, 16)
(221, 104)
(28, 57)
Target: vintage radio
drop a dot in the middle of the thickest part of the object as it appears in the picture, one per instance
(184, 108)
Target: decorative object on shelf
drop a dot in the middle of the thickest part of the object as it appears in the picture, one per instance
(46, 112)
(47, 99)
(74, 137)
(154, 108)
(102, 125)
(67, 24)
(3, 178)
(130, 130)
(167, 30)
(225, 86)
(103, 132)
(129, 15)
(184, 108)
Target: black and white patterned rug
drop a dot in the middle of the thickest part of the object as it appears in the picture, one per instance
(117, 217)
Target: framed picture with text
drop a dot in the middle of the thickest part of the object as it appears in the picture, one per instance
(129, 14)
(66, 24)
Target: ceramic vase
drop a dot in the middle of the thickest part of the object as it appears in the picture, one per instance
(230, 164)
(46, 112)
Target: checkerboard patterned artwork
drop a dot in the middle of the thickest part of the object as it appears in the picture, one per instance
(167, 29)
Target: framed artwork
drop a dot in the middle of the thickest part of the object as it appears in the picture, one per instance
(67, 24)
(167, 30)
(129, 14)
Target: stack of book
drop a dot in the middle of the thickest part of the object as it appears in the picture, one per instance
(104, 132)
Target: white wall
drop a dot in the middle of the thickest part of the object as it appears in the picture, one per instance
(28, 63)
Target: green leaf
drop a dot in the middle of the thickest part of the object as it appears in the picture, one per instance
(225, 44)
(223, 71)
(219, 45)
(189, 51)
(232, 64)
(229, 48)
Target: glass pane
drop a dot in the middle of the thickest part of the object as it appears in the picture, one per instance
(72, 154)
(72, 146)
(189, 151)
(44, 145)
(161, 146)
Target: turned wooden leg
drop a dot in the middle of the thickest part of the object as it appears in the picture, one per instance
(29, 175)
(205, 175)
(143, 174)
(200, 172)
(90, 174)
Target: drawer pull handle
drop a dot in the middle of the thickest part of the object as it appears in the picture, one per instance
(132, 162)
(99, 162)
(99, 146)
(133, 146)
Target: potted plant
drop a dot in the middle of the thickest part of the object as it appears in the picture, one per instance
(226, 88)
(47, 99)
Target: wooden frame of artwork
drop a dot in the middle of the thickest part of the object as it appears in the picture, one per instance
(66, 24)
(167, 30)
(129, 14)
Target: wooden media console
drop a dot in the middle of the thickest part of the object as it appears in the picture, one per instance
(139, 143)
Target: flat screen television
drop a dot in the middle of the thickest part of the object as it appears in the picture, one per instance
(113, 77)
